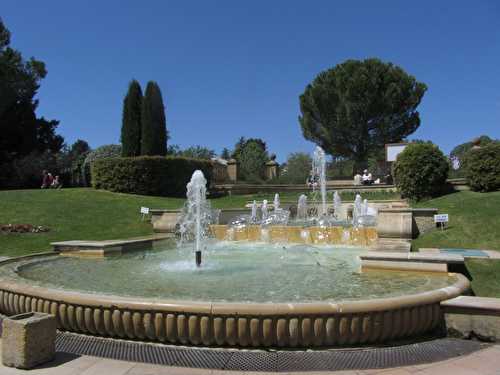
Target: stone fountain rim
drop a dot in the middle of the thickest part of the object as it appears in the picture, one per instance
(228, 308)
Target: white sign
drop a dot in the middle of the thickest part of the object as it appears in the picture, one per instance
(145, 210)
(441, 218)
(392, 150)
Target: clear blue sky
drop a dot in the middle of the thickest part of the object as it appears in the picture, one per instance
(233, 68)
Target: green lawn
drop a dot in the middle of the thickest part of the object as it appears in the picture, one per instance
(474, 224)
(88, 214)
(474, 221)
(485, 277)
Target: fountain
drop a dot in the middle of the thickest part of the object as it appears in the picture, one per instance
(337, 205)
(276, 202)
(196, 215)
(249, 294)
(302, 208)
(263, 209)
(319, 169)
(253, 215)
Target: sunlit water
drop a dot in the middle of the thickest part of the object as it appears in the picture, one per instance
(231, 272)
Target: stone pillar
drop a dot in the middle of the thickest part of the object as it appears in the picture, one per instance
(272, 169)
(28, 340)
(232, 170)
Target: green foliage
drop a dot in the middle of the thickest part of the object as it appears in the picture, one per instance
(22, 133)
(225, 154)
(147, 175)
(420, 171)
(242, 143)
(482, 167)
(198, 152)
(253, 160)
(358, 106)
(154, 131)
(131, 120)
(460, 150)
(102, 152)
(298, 168)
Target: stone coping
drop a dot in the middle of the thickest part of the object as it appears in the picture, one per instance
(232, 324)
(413, 257)
(472, 305)
(107, 243)
(409, 209)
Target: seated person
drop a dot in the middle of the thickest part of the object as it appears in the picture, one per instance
(367, 178)
(56, 183)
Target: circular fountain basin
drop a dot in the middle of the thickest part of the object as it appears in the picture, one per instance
(243, 295)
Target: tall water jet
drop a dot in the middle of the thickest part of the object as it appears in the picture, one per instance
(196, 215)
(364, 207)
(253, 216)
(319, 169)
(337, 205)
(276, 202)
(356, 210)
(302, 207)
(263, 208)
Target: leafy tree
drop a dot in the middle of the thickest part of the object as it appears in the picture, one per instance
(460, 150)
(225, 154)
(358, 106)
(198, 152)
(253, 160)
(154, 131)
(298, 167)
(174, 150)
(22, 133)
(79, 147)
(242, 143)
(131, 120)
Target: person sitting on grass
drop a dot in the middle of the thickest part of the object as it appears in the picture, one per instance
(367, 178)
(56, 184)
(47, 180)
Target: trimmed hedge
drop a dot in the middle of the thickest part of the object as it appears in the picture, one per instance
(147, 175)
(420, 171)
(482, 167)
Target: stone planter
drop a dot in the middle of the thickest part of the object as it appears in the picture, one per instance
(164, 221)
(28, 340)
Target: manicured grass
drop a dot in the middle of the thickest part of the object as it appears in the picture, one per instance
(88, 214)
(73, 214)
(474, 221)
(485, 277)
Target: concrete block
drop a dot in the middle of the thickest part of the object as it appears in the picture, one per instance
(28, 340)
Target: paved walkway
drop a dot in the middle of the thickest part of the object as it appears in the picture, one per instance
(483, 362)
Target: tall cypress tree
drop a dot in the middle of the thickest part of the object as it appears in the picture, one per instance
(154, 131)
(131, 120)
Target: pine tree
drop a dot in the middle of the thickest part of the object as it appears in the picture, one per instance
(154, 131)
(131, 120)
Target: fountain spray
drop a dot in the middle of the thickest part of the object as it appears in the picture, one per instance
(276, 202)
(302, 207)
(253, 216)
(319, 169)
(337, 205)
(196, 214)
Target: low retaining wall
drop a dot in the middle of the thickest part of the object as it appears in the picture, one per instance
(405, 222)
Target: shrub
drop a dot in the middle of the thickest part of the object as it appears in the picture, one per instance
(102, 152)
(147, 175)
(420, 171)
(482, 167)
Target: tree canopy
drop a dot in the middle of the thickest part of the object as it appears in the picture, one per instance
(154, 131)
(131, 120)
(358, 106)
(21, 132)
